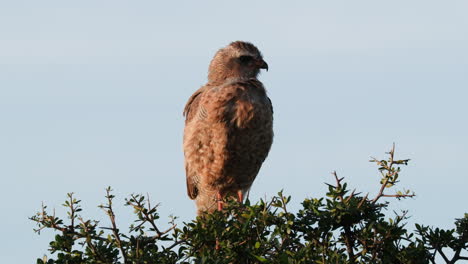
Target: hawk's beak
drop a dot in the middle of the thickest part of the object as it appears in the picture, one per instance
(262, 65)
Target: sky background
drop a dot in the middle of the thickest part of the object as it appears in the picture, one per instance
(92, 93)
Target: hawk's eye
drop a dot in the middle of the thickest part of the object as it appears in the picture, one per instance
(245, 59)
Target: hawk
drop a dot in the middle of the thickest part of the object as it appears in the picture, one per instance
(228, 128)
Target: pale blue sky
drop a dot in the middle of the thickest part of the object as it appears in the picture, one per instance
(92, 92)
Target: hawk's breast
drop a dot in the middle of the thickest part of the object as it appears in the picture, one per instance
(250, 135)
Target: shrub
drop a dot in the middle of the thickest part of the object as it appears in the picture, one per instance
(343, 227)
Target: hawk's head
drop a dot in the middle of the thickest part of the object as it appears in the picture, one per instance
(237, 60)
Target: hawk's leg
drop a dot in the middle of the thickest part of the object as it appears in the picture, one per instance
(240, 196)
(219, 198)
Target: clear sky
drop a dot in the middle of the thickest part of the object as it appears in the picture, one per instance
(92, 92)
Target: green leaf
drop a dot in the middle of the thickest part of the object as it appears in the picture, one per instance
(261, 259)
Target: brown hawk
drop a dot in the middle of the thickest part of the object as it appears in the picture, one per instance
(228, 127)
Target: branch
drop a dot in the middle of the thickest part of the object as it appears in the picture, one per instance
(349, 243)
(88, 240)
(380, 194)
(164, 232)
(338, 184)
(443, 255)
(109, 211)
(147, 215)
(399, 195)
(390, 176)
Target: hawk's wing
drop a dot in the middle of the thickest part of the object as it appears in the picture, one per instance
(190, 110)
(191, 107)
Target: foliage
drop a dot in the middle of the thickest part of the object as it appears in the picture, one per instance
(344, 227)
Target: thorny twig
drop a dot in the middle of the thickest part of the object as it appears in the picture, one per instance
(148, 216)
(346, 228)
(390, 175)
(110, 212)
(50, 221)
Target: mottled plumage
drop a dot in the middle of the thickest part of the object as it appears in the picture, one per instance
(228, 127)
